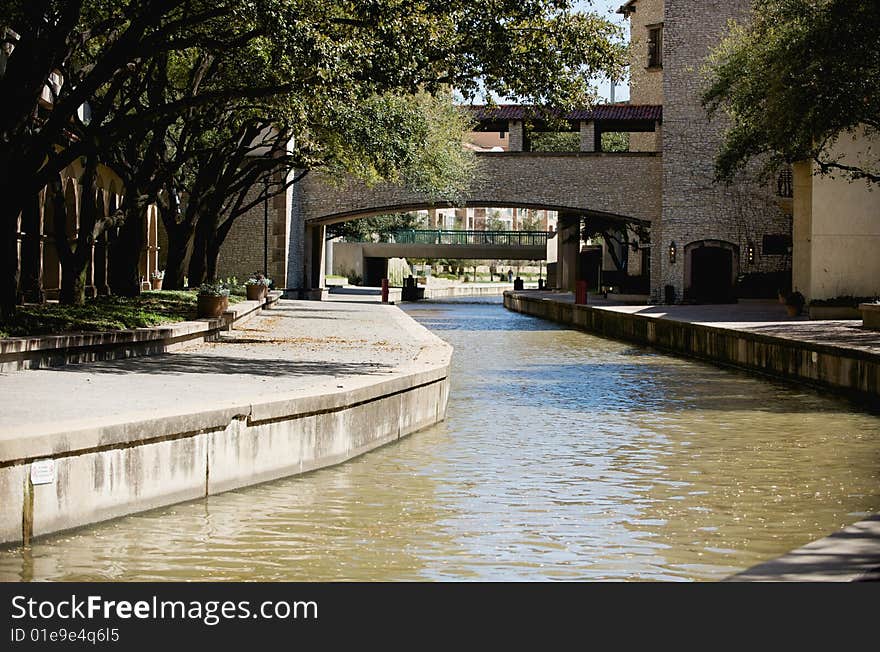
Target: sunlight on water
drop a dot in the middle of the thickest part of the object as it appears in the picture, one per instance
(564, 456)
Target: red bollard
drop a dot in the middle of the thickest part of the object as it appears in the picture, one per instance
(580, 294)
(384, 290)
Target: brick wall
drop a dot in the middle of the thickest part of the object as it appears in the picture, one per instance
(242, 252)
(621, 184)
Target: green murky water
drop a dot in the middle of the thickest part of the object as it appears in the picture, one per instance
(564, 457)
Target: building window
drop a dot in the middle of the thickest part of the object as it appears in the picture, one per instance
(655, 47)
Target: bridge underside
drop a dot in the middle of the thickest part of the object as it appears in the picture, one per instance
(447, 251)
(392, 209)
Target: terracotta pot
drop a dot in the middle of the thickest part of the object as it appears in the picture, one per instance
(212, 307)
(156, 283)
(255, 292)
(793, 311)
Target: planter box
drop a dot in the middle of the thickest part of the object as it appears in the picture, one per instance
(870, 315)
(156, 283)
(834, 312)
(212, 307)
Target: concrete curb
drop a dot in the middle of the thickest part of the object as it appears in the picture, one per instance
(103, 468)
(850, 371)
(849, 555)
(43, 351)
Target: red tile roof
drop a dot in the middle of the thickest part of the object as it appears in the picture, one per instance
(651, 112)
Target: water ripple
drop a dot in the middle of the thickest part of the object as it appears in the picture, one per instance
(564, 457)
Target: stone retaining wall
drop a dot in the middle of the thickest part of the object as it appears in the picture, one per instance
(849, 371)
(42, 351)
(105, 470)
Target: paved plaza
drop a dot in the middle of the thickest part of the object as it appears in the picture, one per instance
(297, 348)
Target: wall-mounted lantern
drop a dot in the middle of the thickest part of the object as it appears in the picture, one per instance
(673, 251)
(750, 253)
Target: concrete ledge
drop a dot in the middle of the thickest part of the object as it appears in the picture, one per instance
(851, 371)
(870, 315)
(42, 351)
(833, 312)
(465, 291)
(852, 554)
(109, 467)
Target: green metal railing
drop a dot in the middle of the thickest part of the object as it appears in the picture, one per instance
(439, 236)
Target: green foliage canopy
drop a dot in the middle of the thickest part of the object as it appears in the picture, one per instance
(794, 79)
(377, 227)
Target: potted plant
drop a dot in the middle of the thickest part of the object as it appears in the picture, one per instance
(794, 303)
(257, 287)
(156, 279)
(213, 300)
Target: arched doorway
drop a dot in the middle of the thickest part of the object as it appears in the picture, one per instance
(710, 270)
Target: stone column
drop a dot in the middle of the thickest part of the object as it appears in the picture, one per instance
(658, 136)
(588, 136)
(314, 256)
(32, 250)
(517, 137)
(802, 229)
(569, 246)
(295, 250)
(328, 257)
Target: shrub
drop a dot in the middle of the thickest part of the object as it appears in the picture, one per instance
(213, 290)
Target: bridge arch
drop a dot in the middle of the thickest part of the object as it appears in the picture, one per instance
(345, 216)
(625, 186)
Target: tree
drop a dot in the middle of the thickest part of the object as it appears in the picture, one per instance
(92, 52)
(619, 237)
(494, 221)
(615, 141)
(538, 50)
(74, 256)
(555, 141)
(529, 220)
(793, 80)
(380, 227)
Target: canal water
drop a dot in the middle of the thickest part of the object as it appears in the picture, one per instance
(564, 457)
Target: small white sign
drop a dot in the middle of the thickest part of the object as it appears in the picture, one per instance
(42, 472)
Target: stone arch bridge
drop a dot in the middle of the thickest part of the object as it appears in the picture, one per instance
(624, 186)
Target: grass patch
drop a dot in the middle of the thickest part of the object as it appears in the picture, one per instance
(151, 308)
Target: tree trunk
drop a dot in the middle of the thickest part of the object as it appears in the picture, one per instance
(32, 252)
(212, 253)
(73, 282)
(198, 260)
(9, 266)
(179, 243)
(179, 228)
(125, 252)
(75, 257)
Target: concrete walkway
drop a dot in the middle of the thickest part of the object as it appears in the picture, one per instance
(763, 317)
(850, 555)
(298, 348)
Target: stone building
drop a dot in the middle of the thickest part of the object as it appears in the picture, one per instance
(712, 241)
